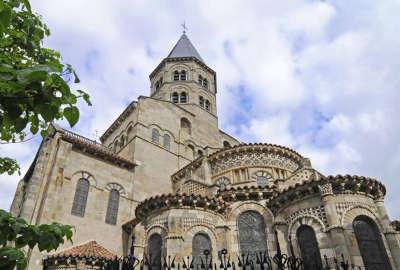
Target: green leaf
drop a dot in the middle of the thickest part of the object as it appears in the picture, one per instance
(27, 5)
(72, 115)
(5, 17)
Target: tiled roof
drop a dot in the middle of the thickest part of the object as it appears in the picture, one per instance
(90, 249)
(184, 48)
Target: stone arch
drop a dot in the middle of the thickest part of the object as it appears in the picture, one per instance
(192, 231)
(309, 220)
(84, 174)
(241, 207)
(359, 210)
(116, 186)
(156, 229)
(316, 224)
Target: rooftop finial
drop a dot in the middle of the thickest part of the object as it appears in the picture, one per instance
(184, 27)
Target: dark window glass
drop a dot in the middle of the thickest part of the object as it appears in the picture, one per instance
(201, 101)
(155, 251)
(370, 244)
(183, 98)
(112, 208)
(309, 248)
(183, 75)
(208, 106)
(175, 97)
(201, 242)
(176, 75)
(252, 237)
(155, 136)
(200, 80)
(167, 141)
(80, 198)
(205, 83)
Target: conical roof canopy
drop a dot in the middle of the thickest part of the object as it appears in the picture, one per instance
(184, 48)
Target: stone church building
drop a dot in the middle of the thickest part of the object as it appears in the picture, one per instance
(166, 180)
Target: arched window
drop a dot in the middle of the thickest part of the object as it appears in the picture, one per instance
(154, 250)
(80, 198)
(226, 144)
(201, 101)
(112, 208)
(370, 243)
(205, 83)
(200, 80)
(252, 237)
(175, 97)
(122, 142)
(183, 97)
(176, 75)
(157, 85)
(309, 247)
(167, 142)
(155, 136)
(191, 151)
(208, 105)
(116, 146)
(199, 153)
(201, 242)
(186, 126)
(183, 75)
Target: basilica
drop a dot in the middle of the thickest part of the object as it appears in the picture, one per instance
(166, 181)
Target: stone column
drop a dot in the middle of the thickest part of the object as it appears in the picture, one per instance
(335, 230)
(282, 237)
(391, 235)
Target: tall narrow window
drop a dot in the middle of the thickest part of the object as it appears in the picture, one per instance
(176, 75)
(309, 247)
(201, 101)
(183, 97)
(205, 83)
(155, 136)
(175, 97)
(167, 142)
(154, 250)
(80, 198)
(112, 208)
(191, 151)
(201, 242)
(185, 125)
(370, 243)
(208, 105)
(252, 237)
(200, 80)
(183, 75)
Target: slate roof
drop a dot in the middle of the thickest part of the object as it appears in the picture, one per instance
(90, 249)
(184, 48)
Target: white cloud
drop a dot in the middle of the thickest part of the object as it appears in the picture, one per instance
(321, 77)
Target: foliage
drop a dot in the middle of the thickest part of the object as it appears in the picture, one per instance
(21, 234)
(8, 165)
(34, 84)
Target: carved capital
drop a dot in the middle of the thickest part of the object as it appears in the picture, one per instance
(325, 189)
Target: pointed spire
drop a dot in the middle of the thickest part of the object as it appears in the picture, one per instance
(184, 48)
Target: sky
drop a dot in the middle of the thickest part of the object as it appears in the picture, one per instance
(321, 77)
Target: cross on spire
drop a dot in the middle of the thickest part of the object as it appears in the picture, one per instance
(184, 27)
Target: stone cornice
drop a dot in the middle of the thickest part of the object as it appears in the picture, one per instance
(273, 148)
(94, 148)
(245, 193)
(170, 201)
(346, 184)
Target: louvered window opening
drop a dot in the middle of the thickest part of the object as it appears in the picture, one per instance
(112, 208)
(80, 198)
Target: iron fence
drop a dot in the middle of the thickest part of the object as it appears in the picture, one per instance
(254, 261)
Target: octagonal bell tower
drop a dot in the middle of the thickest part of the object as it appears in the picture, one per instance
(183, 78)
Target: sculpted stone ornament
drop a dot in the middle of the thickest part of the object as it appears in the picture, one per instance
(325, 189)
